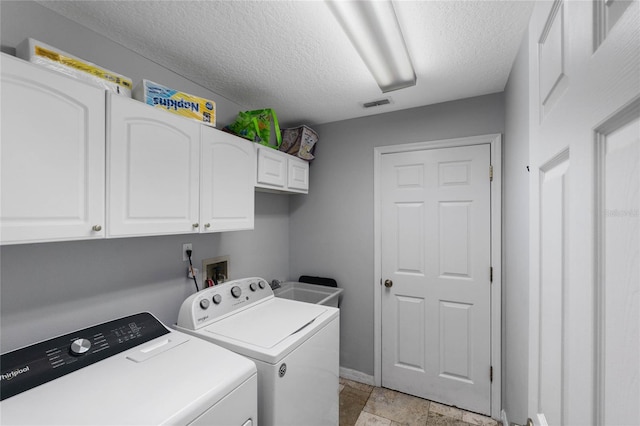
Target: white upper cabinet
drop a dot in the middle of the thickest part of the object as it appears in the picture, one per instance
(272, 168)
(153, 170)
(52, 156)
(280, 172)
(297, 175)
(227, 187)
(73, 168)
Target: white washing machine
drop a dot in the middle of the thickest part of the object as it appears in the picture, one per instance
(295, 346)
(129, 371)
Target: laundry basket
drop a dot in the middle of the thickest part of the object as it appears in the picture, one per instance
(318, 290)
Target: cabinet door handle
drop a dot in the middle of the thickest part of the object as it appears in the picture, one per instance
(195, 225)
(207, 225)
(97, 228)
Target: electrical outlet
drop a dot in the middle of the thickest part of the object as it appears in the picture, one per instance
(185, 247)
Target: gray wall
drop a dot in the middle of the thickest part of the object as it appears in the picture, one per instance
(515, 297)
(52, 288)
(47, 289)
(331, 229)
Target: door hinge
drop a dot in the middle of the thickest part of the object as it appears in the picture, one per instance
(490, 274)
(491, 173)
(491, 373)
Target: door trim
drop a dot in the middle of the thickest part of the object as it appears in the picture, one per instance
(495, 142)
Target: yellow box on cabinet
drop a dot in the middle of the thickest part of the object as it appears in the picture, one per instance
(184, 104)
(40, 53)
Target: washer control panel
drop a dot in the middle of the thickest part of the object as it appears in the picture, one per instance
(213, 303)
(42, 362)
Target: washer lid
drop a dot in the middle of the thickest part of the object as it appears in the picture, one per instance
(162, 382)
(268, 323)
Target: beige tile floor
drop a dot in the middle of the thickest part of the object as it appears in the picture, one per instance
(365, 405)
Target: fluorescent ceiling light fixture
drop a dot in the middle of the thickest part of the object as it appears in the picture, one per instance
(372, 27)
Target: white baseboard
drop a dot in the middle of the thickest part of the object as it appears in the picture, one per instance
(356, 376)
(503, 418)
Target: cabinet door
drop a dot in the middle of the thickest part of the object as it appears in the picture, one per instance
(227, 188)
(152, 170)
(297, 175)
(272, 168)
(52, 156)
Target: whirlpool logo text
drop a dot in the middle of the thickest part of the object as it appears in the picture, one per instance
(12, 374)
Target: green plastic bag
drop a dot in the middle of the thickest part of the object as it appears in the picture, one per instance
(260, 126)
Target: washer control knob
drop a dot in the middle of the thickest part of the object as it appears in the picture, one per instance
(261, 284)
(204, 303)
(217, 299)
(80, 347)
(236, 291)
(253, 287)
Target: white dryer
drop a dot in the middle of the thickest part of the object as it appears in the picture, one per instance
(295, 346)
(129, 371)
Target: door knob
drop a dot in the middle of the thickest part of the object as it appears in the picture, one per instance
(97, 228)
(388, 283)
(195, 225)
(530, 422)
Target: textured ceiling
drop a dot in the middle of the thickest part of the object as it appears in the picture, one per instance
(294, 57)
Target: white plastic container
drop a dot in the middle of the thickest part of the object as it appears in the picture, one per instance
(310, 293)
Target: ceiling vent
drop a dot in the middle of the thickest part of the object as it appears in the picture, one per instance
(379, 102)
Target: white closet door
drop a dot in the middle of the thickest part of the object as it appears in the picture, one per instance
(436, 259)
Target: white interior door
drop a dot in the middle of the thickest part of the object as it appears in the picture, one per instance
(585, 213)
(435, 227)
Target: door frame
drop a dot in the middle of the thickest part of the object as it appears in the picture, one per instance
(495, 142)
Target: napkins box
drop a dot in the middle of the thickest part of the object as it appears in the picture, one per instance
(176, 102)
